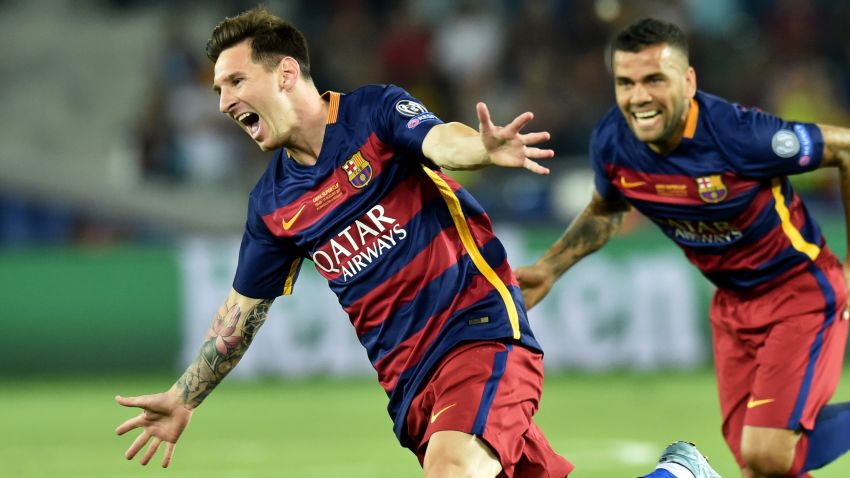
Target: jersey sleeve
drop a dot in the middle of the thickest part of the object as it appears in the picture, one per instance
(268, 267)
(402, 121)
(598, 156)
(766, 146)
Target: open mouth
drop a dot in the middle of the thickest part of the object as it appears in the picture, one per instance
(251, 121)
(646, 118)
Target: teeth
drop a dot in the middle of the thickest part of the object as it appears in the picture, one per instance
(645, 114)
(243, 116)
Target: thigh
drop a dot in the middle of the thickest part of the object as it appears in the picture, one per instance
(800, 363)
(453, 452)
(489, 390)
(734, 365)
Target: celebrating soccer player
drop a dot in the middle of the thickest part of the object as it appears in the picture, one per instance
(713, 176)
(355, 186)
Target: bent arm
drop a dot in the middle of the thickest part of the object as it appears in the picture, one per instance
(457, 146)
(836, 153)
(588, 232)
(231, 333)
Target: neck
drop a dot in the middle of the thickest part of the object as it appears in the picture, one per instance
(308, 135)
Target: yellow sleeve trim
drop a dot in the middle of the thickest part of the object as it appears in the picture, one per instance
(462, 227)
(290, 278)
(797, 241)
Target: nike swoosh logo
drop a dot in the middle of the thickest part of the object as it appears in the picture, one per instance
(757, 403)
(435, 415)
(629, 185)
(289, 223)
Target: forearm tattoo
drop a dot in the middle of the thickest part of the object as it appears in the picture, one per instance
(585, 235)
(226, 342)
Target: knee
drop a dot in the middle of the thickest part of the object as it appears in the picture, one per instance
(766, 461)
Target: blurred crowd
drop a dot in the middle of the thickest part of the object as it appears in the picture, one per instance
(789, 57)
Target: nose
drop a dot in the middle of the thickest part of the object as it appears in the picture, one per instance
(640, 94)
(226, 101)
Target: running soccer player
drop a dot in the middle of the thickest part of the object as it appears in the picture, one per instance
(713, 176)
(355, 186)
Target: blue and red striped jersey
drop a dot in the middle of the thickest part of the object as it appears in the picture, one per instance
(722, 194)
(409, 253)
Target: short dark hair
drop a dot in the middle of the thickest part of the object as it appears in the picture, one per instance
(272, 38)
(648, 32)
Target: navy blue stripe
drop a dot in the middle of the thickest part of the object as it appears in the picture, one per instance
(431, 299)
(500, 362)
(741, 279)
(815, 350)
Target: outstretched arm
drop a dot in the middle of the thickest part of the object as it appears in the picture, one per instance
(457, 146)
(836, 153)
(589, 231)
(165, 415)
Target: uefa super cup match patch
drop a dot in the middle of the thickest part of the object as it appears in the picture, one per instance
(785, 143)
(410, 108)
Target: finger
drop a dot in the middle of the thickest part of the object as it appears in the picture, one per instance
(132, 401)
(485, 124)
(539, 153)
(130, 424)
(137, 445)
(535, 168)
(151, 451)
(534, 138)
(512, 128)
(169, 451)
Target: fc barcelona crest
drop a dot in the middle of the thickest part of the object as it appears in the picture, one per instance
(711, 189)
(359, 170)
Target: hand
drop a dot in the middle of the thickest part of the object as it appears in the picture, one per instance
(507, 147)
(163, 419)
(535, 282)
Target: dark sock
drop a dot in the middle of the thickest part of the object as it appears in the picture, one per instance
(829, 439)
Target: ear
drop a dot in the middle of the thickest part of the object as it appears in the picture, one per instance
(690, 82)
(288, 72)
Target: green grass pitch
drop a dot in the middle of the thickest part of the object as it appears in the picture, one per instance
(610, 426)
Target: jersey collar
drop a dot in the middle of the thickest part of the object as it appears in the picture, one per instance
(691, 120)
(332, 97)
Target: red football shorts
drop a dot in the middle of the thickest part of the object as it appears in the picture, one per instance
(778, 354)
(491, 390)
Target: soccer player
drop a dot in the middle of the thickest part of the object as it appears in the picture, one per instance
(713, 176)
(355, 186)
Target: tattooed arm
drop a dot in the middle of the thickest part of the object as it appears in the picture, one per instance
(836, 153)
(165, 415)
(589, 231)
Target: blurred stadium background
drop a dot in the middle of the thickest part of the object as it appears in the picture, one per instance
(123, 192)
